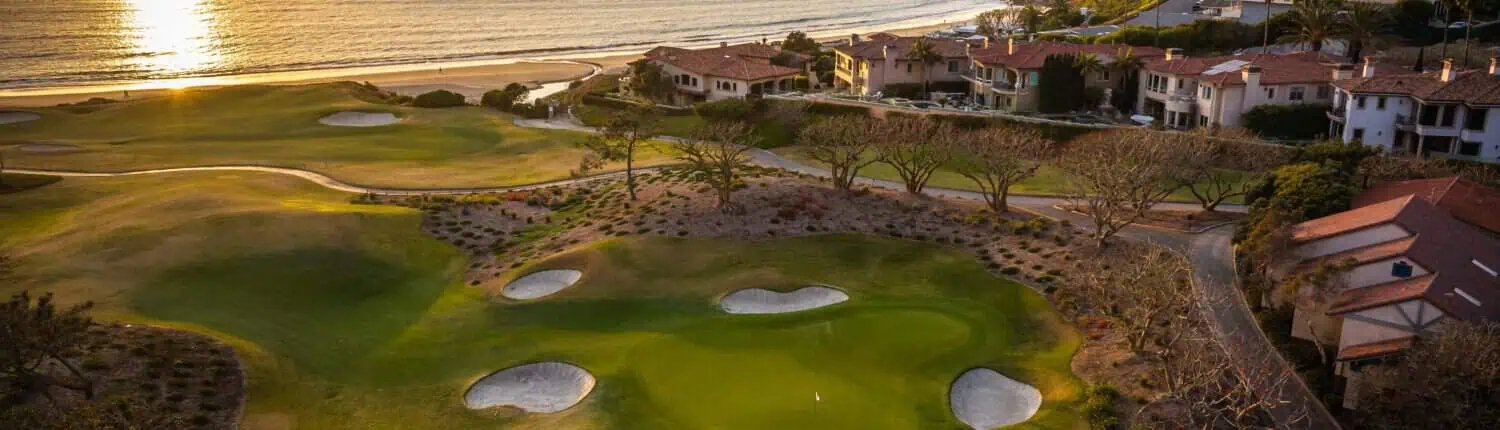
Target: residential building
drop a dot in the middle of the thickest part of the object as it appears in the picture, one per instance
(1416, 261)
(1186, 92)
(728, 71)
(1007, 75)
(1447, 114)
(867, 67)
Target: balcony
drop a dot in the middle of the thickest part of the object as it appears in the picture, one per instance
(1437, 130)
(1003, 87)
(1404, 122)
(1337, 115)
(977, 80)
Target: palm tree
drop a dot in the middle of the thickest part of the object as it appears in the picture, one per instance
(1467, 7)
(1088, 63)
(924, 53)
(1126, 61)
(1315, 21)
(1030, 18)
(1365, 24)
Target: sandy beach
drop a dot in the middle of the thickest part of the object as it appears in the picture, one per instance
(469, 80)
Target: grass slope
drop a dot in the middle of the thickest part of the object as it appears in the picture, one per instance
(278, 125)
(1048, 180)
(349, 317)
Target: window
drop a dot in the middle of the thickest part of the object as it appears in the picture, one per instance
(1324, 93)
(1297, 93)
(1448, 114)
(1359, 134)
(908, 67)
(1105, 76)
(1380, 103)
(1470, 149)
(1208, 93)
(1179, 83)
(1202, 120)
(1401, 269)
(1359, 102)
(1270, 94)
(952, 67)
(1475, 119)
(695, 82)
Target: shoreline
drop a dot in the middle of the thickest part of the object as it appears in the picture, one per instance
(470, 77)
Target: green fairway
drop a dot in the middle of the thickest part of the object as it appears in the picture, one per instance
(278, 125)
(1048, 181)
(349, 317)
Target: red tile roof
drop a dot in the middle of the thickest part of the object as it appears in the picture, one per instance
(881, 47)
(1445, 246)
(1473, 87)
(746, 62)
(1375, 296)
(1348, 221)
(1464, 199)
(1032, 55)
(1296, 68)
(1375, 349)
(1367, 254)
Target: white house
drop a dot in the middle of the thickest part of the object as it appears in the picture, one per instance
(1186, 92)
(1444, 114)
(867, 67)
(1416, 261)
(728, 71)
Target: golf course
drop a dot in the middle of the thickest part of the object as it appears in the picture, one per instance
(287, 126)
(349, 316)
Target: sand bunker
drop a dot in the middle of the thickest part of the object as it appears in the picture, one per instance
(985, 399)
(540, 284)
(360, 119)
(540, 387)
(47, 147)
(15, 117)
(763, 301)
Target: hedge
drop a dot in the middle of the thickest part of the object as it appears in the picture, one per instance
(837, 109)
(614, 103)
(439, 99)
(1293, 122)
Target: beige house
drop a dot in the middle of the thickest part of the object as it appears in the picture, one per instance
(1006, 75)
(728, 71)
(1186, 92)
(867, 67)
(1419, 254)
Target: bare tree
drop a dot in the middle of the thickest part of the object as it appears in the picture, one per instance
(1118, 176)
(1145, 290)
(1224, 163)
(915, 147)
(34, 336)
(1390, 168)
(620, 138)
(843, 143)
(1312, 292)
(716, 154)
(1447, 381)
(997, 158)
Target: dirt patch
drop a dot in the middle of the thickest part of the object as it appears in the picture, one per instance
(175, 373)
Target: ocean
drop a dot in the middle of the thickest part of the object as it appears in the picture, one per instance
(59, 43)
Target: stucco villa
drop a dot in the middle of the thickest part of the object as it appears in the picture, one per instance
(1187, 92)
(866, 67)
(1006, 75)
(1444, 114)
(1421, 253)
(728, 71)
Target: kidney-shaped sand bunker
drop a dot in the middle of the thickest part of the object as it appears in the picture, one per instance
(359, 119)
(763, 301)
(540, 284)
(538, 387)
(985, 399)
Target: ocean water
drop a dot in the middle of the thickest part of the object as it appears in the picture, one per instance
(54, 43)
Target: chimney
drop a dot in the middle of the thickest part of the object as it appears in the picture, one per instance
(1369, 69)
(1251, 75)
(986, 42)
(723, 44)
(854, 39)
(1448, 71)
(885, 52)
(1174, 53)
(1343, 71)
(1494, 66)
(1010, 46)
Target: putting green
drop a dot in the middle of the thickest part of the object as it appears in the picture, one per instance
(349, 317)
(279, 126)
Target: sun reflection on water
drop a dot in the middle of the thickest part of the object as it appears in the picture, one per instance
(172, 37)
